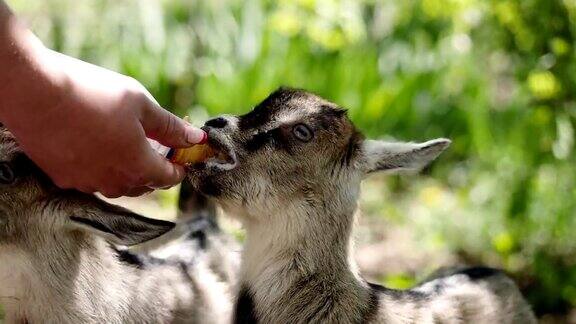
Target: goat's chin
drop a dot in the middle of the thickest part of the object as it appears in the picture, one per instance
(209, 183)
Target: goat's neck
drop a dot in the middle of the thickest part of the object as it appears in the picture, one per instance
(302, 255)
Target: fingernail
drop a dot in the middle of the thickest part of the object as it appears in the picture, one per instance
(195, 135)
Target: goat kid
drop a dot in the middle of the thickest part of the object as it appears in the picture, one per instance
(292, 177)
(60, 261)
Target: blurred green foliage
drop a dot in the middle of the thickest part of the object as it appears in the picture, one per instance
(495, 76)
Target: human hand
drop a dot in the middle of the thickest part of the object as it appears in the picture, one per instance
(87, 127)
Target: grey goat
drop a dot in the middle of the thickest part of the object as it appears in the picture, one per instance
(292, 175)
(61, 259)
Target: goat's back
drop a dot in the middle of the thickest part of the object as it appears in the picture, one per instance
(469, 295)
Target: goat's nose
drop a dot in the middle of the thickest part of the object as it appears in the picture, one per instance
(218, 122)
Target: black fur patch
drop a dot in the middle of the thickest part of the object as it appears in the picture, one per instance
(260, 115)
(370, 314)
(129, 258)
(184, 268)
(352, 149)
(245, 311)
(23, 167)
(97, 225)
(397, 294)
(273, 138)
(377, 290)
(264, 111)
(145, 261)
(478, 273)
(328, 114)
(198, 230)
(259, 140)
(121, 211)
(193, 205)
(188, 198)
(201, 237)
(256, 118)
(210, 188)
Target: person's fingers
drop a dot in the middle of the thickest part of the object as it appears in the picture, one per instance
(135, 192)
(162, 173)
(166, 128)
(112, 193)
(86, 189)
(114, 187)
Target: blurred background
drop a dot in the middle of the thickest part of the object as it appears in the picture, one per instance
(498, 77)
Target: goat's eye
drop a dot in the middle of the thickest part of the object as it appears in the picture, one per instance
(6, 173)
(302, 133)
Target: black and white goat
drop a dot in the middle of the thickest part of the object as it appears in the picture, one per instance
(292, 177)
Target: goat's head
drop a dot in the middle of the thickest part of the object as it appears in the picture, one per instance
(293, 149)
(34, 212)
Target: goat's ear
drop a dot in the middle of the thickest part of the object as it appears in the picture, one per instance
(387, 156)
(119, 225)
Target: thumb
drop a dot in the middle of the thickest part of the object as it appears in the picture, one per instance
(164, 127)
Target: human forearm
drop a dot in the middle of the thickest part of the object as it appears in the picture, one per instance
(85, 126)
(23, 70)
(17, 45)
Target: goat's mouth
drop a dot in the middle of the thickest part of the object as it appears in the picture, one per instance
(224, 157)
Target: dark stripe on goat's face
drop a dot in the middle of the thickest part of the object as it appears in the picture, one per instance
(329, 115)
(257, 118)
(259, 140)
(261, 115)
(273, 138)
(264, 112)
(245, 312)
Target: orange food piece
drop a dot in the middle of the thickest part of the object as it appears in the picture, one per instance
(195, 154)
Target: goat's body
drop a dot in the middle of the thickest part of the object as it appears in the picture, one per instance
(91, 284)
(474, 295)
(60, 260)
(308, 275)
